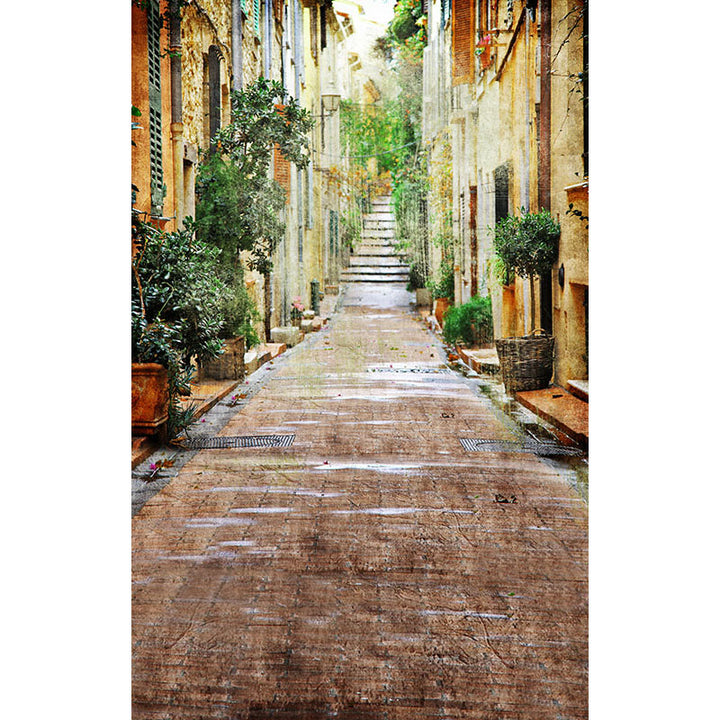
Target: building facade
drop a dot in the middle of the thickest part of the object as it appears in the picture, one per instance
(505, 117)
(187, 57)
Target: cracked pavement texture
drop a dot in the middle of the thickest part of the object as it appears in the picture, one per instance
(367, 571)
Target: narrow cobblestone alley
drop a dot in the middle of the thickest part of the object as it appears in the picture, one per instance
(372, 569)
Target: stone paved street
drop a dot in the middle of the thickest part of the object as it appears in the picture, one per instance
(374, 569)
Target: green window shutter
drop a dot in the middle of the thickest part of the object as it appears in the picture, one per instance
(256, 17)
(334, 245)
(157, 187)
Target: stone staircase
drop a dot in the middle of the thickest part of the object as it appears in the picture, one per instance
(375, 259)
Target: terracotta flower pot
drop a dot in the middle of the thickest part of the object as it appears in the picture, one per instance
(441, 306)
(150, 398)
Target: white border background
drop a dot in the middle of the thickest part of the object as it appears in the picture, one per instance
(65, 365)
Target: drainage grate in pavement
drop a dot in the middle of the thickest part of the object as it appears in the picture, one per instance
(240, 441)
(527, 446)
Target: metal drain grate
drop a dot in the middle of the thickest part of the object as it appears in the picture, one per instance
(240, 441)
(528, 446)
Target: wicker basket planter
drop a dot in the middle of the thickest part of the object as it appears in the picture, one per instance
(526, 363)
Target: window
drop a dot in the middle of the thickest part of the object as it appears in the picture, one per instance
(314, 32)
(502, 191)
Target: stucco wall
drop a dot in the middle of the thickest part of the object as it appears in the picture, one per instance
(204, 24)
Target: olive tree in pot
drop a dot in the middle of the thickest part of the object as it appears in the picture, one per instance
(176, 306)
(240, 207)
(528, 245)
(442, 287)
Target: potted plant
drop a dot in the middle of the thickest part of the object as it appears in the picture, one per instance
(528, 245)
(237, 332)
(296, 312)
(176, 318)
(442, 288)
(470, 323)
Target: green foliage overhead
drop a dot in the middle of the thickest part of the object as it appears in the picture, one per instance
(406, 33)
(471, 322)
(527, 243)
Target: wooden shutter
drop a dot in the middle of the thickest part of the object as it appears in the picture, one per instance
(214, 90)
(309, 197)
(445, 10)
(473, 242)
(463, 41)
(256, 17)
(314, 32)
(334, 244)
(323, 27)
(299, 42)
(157, 190)
(282, 172)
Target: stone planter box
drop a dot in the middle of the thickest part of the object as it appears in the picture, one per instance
(423, 297)
(287, 334)
(150, 399)
(228, 366)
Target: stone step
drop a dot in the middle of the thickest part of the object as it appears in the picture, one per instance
(376, 278)
(377, 243)
(389, 233)
(374, 252)
(376, 269)
(379, 217)
(375, 224)
(579, 388)
(376, 261)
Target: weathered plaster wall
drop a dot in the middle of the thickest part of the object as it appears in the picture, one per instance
(569, 301)
(204, 24)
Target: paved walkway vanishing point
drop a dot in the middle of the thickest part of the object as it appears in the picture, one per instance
(374, 569)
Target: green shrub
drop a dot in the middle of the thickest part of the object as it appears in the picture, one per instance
(471, 322)
(442, 284)
(176, 304)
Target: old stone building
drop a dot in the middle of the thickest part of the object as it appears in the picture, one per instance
(505, 99)
(186, 59)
